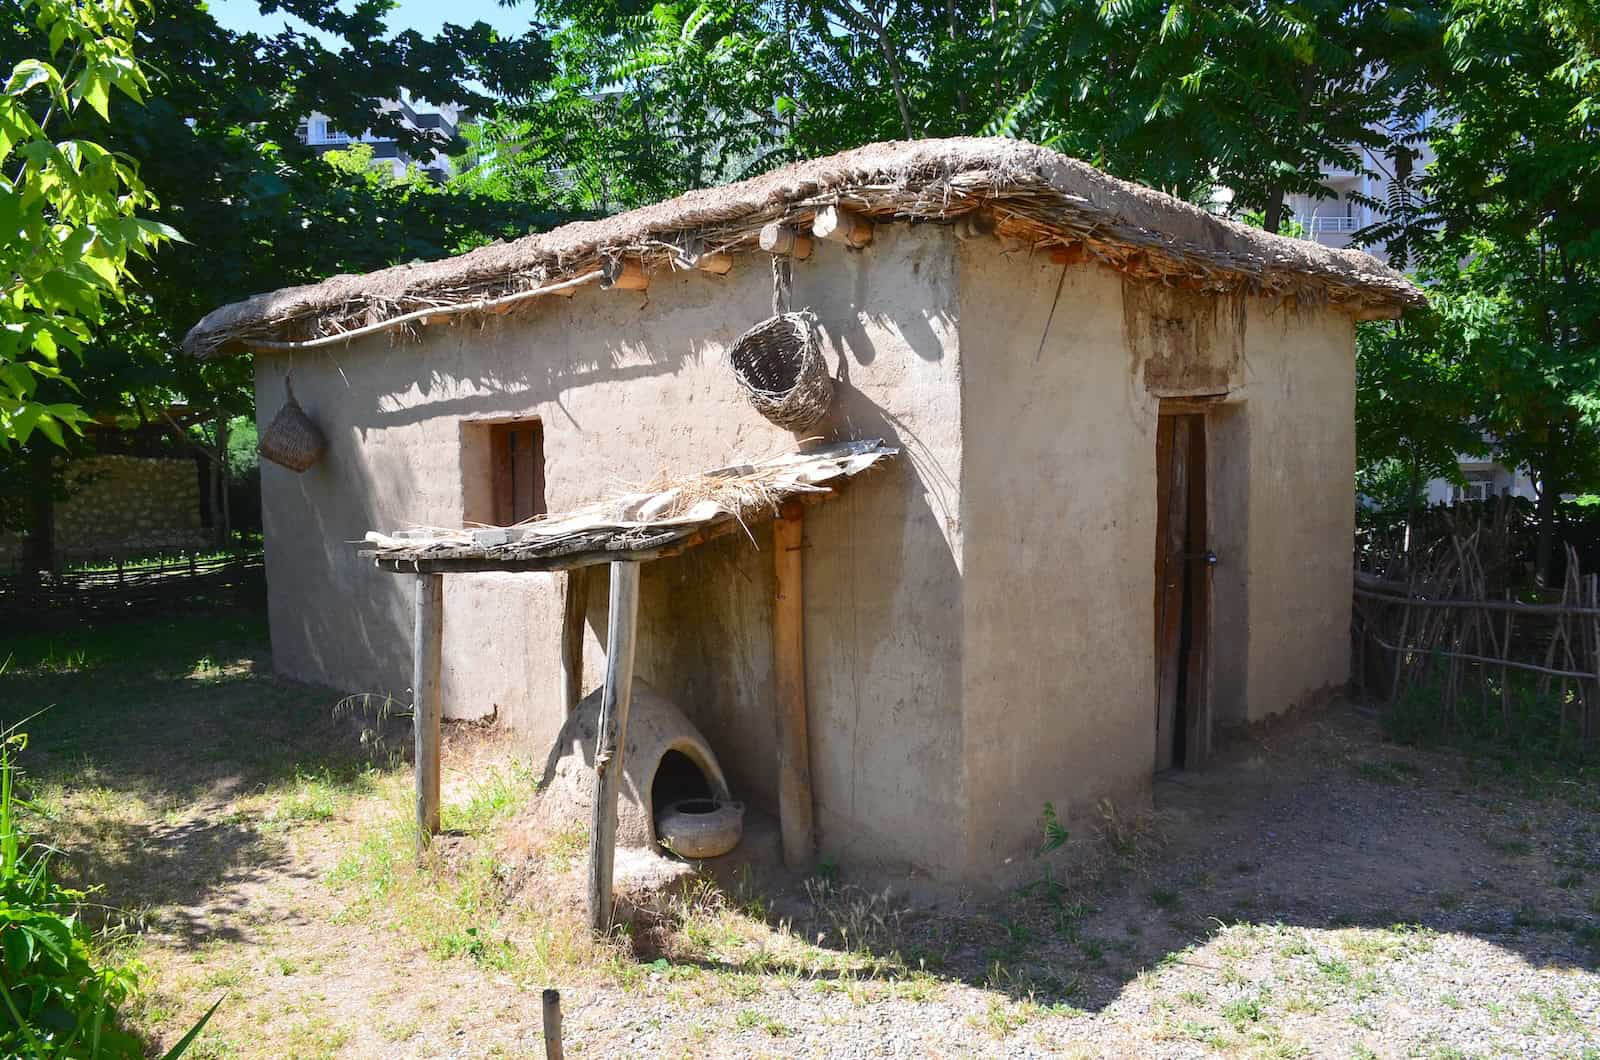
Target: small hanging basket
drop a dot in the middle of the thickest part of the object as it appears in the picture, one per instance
(779, 363)
(292, 439)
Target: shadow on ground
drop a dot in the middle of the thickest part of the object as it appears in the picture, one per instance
(143, 737)
(157, 732)
(1324, 827)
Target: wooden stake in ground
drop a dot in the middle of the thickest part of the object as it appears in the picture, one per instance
(789, 670)
(612, 738)
(552, 1025)
(426, 707)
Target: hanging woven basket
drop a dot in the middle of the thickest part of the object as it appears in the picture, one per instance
(292, 439)
(779, 363)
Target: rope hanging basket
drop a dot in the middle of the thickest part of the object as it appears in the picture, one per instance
(292, 439)
(779, 363)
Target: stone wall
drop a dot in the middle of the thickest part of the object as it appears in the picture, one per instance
(130, 503)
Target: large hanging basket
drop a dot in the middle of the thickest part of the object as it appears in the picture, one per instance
(292, 439)
(779, 363)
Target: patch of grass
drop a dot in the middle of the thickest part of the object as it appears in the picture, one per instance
(1510, 846)
(1338, 973)
(1165, 898)
(498, 793)
(1206, 1034)
(1002, 1019)
(749, 1019)
(459, 910)
(1555, 1012)
(316, 795)
(1243, 1011)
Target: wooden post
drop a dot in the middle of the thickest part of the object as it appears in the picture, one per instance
(426, 708)
(842, 226)
(552, 1025)
(612, 738)
(776, 238)
(789, 671)
(574, 612)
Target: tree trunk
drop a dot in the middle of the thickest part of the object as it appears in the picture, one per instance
(1272, 216)
(1413, 506)
(213, 494)
(226, 531)
(1544, 550)
(40, 553)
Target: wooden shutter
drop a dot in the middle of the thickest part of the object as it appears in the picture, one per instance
(517, 453)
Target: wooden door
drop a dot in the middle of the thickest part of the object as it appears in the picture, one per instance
(1183, 563)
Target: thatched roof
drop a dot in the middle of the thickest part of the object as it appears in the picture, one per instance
(1023, 191)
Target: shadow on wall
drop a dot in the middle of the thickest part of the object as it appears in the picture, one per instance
(883, 623)
(703, 316)
(338, 619)
(333, 616)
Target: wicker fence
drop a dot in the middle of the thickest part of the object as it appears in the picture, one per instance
(175, 583)
(1492, 662)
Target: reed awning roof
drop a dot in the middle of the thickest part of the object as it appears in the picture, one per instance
(635, 525)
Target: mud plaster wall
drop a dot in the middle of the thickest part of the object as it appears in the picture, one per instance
(1059, 516)
(628, 385)
(1185, 342)
(1300, 400)
(1059, 512)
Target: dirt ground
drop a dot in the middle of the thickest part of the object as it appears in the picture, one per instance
(1318, 893)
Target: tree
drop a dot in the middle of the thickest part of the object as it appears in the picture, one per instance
(1415, 403)
(219, 160)
(1259, 98)
(1508, 236)
(68, 208)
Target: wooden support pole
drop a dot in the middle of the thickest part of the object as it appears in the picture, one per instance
(626, 274)
(789, 669)
(426, 707)
(612, 738)
(777, 238)
(842, 226)
(552, 1026)
(574, 612)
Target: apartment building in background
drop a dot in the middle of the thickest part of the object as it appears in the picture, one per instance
(320, 133)
(1333, 222)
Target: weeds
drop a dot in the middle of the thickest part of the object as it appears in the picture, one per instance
(61, 999)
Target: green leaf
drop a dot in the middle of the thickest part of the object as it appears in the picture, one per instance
(177, 1051)
(30, 73)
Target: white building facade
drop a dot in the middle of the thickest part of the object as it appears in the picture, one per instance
(319, 132)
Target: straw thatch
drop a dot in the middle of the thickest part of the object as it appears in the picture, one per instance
(1028, 192)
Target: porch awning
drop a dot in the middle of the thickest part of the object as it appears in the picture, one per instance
(634, 526)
